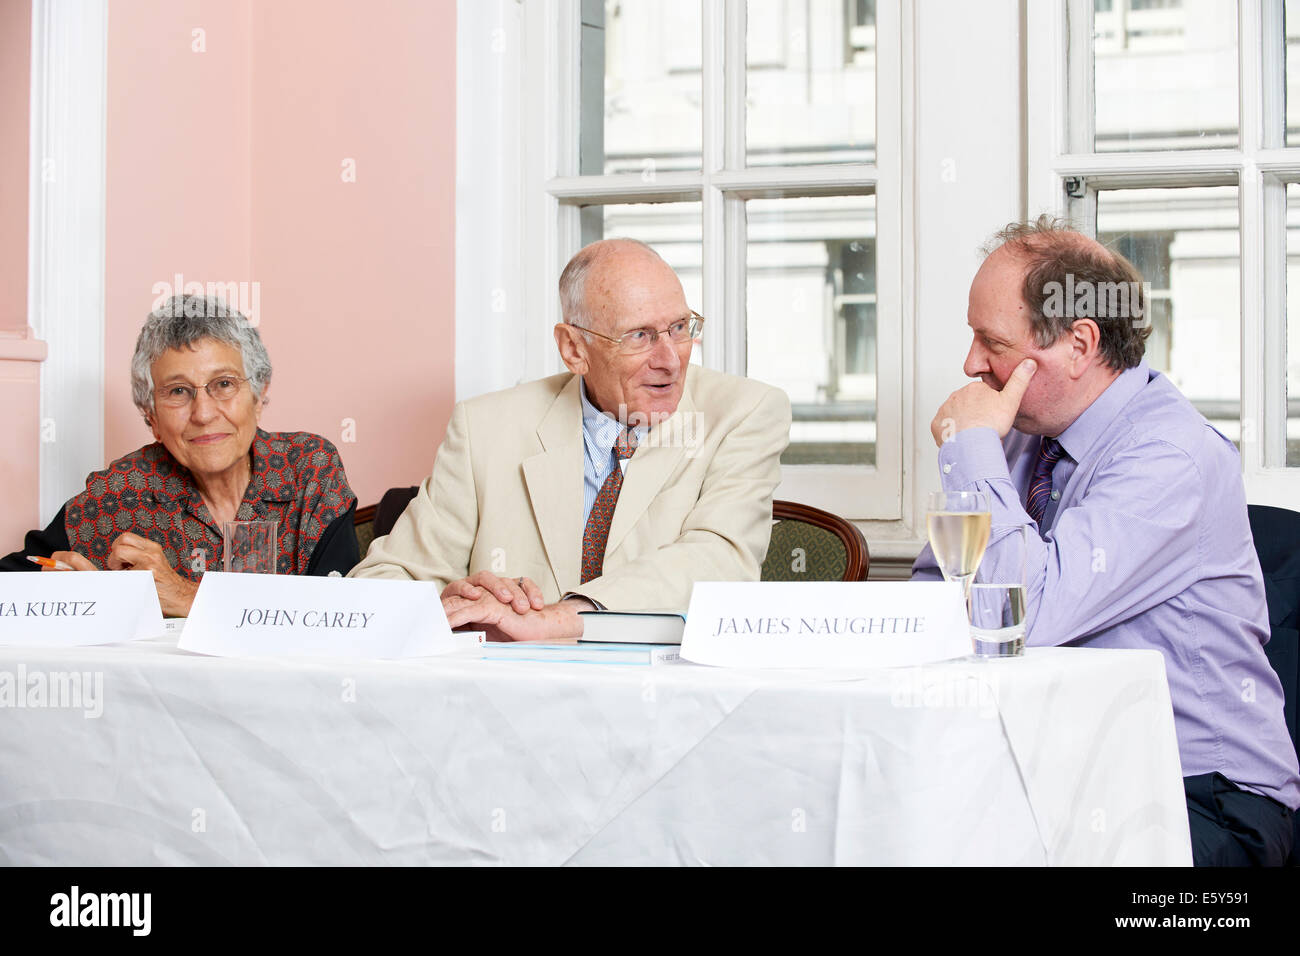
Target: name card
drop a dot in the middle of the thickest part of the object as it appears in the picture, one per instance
(76, 608)
(830, 624)
(282, 615)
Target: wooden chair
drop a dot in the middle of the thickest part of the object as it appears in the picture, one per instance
(809, 544)
(375, 521)
(363, 523)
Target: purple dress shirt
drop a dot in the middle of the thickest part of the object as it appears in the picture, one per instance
(1145, 544)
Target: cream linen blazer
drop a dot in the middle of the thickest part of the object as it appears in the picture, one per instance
(506, 495)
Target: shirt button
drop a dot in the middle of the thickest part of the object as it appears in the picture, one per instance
(947, 469)
(1056, 495)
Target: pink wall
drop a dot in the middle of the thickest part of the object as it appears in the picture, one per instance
(358, 307)
(231, 170)
(178, 171)
(20, 355)
(15, 101)
(20, 397)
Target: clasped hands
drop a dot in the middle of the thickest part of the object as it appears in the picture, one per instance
(979, 405)
(130, 552)
(510, 609)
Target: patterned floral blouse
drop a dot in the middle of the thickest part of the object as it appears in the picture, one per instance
(297, 478)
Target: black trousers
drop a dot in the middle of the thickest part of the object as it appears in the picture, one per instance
(1233, 827)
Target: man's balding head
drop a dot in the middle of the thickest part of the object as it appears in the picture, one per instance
(1077, 309)
(602, 260)
(609, 289)
(1069, 276)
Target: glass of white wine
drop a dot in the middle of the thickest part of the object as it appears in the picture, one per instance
(958, 525)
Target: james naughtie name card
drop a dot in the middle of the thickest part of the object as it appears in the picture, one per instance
(74, 608)
(275, 615)
(827, 624)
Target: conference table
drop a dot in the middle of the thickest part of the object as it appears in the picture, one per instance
(1062, 757)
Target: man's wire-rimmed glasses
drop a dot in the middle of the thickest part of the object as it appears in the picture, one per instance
(642, 340)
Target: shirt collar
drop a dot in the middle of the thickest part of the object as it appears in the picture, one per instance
(251, 508)
(1097, 417)
(600, 430)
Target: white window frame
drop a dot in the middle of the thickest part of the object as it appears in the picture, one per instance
(555, 193)
(958, 156)
(1259, 167)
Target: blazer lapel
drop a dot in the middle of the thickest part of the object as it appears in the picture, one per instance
(647, 471)
(554, 480)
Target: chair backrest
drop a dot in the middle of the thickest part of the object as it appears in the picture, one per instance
(375, 521)
(391, 506)
(1277, 542)
(363, 523)
(809, 544)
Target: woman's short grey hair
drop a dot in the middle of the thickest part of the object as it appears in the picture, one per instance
(181, 322)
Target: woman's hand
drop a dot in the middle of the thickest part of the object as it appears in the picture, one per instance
(131, 552)
(76, 561)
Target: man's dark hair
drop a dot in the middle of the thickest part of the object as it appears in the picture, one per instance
(1069, 277)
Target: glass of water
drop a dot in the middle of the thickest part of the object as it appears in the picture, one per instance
(251, 547)
(997, 598)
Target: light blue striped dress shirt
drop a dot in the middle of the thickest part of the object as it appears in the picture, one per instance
(599, 433)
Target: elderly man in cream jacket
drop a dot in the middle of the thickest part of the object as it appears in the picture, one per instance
(617, 484)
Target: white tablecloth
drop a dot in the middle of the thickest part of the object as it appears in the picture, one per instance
(1063, 757)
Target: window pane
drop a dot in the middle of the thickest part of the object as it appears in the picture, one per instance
(1292, 16)
(672, 228)
(1186, 243)
(810, 82)
(1165, 74)
(1293, 325)
(640, 86)
(811, 320)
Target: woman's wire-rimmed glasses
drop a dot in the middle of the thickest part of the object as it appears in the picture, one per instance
(221, 389)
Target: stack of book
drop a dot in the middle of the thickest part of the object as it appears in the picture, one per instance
(632, 627)
(639, 638)
(584, 652)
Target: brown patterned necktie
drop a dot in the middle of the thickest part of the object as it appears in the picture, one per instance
(602, 510)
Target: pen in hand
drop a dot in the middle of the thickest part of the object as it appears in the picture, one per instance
(50, 563)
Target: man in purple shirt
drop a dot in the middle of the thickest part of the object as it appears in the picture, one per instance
(1138, 512)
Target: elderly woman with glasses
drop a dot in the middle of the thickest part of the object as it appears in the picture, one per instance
(200, 376)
